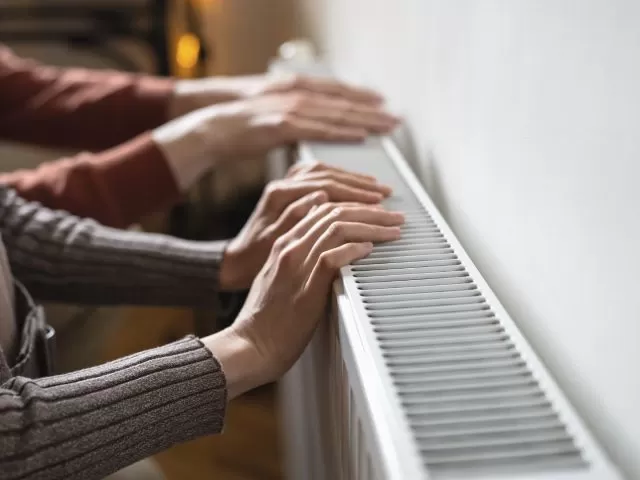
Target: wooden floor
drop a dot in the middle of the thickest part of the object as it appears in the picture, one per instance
(249, 448)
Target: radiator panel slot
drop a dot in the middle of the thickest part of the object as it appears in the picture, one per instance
(423, 374)
(468, 395)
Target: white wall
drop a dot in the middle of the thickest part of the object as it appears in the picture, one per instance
(526, 120)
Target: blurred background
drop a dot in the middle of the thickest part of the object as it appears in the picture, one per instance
(524, 129)
(187, 39)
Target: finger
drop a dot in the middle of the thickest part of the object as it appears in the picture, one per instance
(295, 169)
(348, 179)
(347, 113)
(315, 215)
(329, 264)
(281, 194)
(309, 167)
(318, 212)
(298, 129)
(340, 192)
(326, 218)
(343, 232)
(296, 212)
(320, 171)
(331, 87)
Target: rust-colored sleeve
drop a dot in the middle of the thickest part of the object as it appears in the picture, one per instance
(116, 187)
(77, 108)
(88, 110)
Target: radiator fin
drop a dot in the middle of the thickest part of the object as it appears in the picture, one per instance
(434, 377)
(469, 397)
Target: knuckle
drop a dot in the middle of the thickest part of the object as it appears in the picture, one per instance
(273, 189)
(280, 244)
(274, 195)
(284, 120)
(326, 261)
(339, 211)
(307, 169)
(294, 169)
(326, 208)
(320, 175)
(298, 102)
(299, 211)
(336, 230)
(316, 166)
(287, 257)
(327, 183)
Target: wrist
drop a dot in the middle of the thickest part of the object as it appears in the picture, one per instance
(230, 278)
(239, 360)
(192, 94)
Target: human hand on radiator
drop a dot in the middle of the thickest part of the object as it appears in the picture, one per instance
(232, 130)
(284, 203)
(192, 94)
(289, 296)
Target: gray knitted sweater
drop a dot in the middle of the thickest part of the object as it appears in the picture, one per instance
(90, 423)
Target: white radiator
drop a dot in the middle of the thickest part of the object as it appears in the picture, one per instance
(420, 373)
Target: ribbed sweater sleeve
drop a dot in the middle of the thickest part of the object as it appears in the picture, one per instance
(60, 257)
(90, 423)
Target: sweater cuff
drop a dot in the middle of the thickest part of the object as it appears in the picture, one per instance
(90, 423)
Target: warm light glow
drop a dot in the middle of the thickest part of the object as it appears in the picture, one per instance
(187, 50)
(203, 3)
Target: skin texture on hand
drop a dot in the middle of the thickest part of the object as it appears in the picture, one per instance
(256, 125)
(283, 204)
(289, 296)
(193, 94)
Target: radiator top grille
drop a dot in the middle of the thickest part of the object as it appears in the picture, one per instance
(472, 403)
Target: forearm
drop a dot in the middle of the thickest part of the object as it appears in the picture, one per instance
(116, 187)
(88, 424)
(77, 108)
(61, 257)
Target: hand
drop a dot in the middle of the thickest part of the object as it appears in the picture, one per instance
(283, 204)
(289, 295)
(253, 126)
(193, 94)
